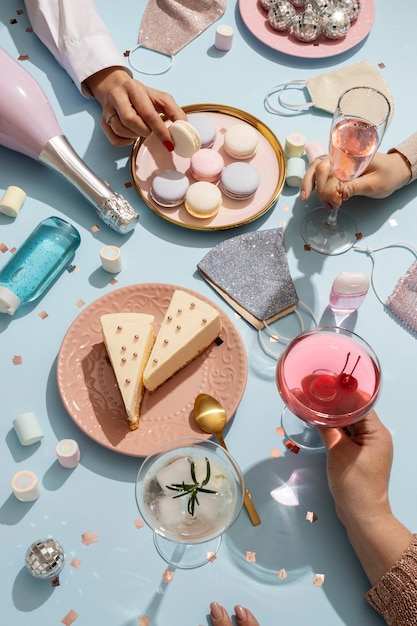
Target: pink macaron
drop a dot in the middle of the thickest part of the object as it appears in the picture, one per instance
(206, 165)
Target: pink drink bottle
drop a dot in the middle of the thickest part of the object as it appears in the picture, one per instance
(348, 291)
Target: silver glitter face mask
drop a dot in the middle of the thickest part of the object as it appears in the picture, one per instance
(169, 25)
(403, 300)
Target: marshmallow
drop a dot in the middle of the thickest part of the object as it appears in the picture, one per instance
(28, 429)
(111, 260)
(68, 453)
(296, 168)
(25, 486)
(224, 37)
(12, 201)
(294, 145)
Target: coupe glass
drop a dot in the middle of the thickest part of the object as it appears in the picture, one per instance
(357, 129)
(327, 376)
(189, 492)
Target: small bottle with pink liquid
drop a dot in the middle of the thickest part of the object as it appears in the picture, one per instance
(348, 291)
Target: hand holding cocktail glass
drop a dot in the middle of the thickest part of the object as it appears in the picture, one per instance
(357, 129)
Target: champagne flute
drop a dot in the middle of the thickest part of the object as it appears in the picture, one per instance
(327, 376)
(357, 129)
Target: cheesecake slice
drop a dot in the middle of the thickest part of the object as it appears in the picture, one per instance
(129, 338)
(190, 325)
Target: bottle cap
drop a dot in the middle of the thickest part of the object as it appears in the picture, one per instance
(111, 260)
(314, 149)
(350, 283)
(28, 429)
(25, 486)
(68, 453)
(294, 145)
(9, 301)
(12, 201)
(296, 168)
(224, 37)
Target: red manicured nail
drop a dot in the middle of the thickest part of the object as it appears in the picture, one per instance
(169, 145)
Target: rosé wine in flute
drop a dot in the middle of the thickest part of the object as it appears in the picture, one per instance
(328, 376)
(353, 143)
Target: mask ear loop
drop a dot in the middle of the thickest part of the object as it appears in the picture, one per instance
(292, 109)
(280, 338)
(370, 251)
(170, 58)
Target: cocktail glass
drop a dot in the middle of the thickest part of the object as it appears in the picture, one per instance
(357, 129)
(329, 377)
(189, 491)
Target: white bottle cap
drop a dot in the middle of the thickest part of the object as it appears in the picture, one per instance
(224, 37)
(296, 168)
(349, 283)
(28, 429)
(294, 145)
(68, 453)
(111, 260)
(9, 301)
(25, 486)
(314, 149)
(12, 201)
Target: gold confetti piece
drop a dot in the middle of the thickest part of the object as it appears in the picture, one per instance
(80, 303)
(13, 250)
(20, 11)
(311, 517)
(381, 65)
(307, 248)
(359, 236)
(126, 53)
(17, 360)
(24, 57)
(95, 228)
(128, 185)
(280, 431)
(139, 523)
(167, 576)
(75, 562)
(43, 315)
(250, 556)
(144, 620)
(29, 29)
(275, 453)
(69, 618)
(88, 538)
(3, 248)
(318, 580)
(211, 556)
(282, 574)
(292, 447)
(13, 20)
(113, 281)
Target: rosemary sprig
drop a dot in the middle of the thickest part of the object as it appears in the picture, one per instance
(192, 489)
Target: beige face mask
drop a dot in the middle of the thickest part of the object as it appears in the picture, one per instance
(325, 89)
(169, 25)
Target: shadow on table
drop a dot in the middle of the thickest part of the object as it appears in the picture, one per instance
(287, 547)
(149, 613)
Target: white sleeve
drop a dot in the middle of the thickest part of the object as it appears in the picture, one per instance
(76, 35)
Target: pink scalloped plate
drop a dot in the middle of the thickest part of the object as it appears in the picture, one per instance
(255, 19)
(89, 391)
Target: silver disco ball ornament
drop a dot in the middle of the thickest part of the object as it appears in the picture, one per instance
(45, 559)
(266, 4)
(307, 25)
(323, 7)
(337, 24)
(281, 15)
(298, 3)
(352, 8)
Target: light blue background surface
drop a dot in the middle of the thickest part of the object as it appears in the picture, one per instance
(120, 577)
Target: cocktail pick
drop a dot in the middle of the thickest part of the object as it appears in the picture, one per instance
(28, 125)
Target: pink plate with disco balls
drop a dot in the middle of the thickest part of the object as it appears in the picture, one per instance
(256, 20)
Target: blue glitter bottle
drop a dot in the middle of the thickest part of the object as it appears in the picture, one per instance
(37, 263)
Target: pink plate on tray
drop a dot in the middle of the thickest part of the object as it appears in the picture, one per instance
(255, 19)
(149, 157)
(89, 391)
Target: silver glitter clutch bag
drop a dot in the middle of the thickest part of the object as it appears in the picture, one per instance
(251, 273)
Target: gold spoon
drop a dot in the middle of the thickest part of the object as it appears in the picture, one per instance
(211, 417)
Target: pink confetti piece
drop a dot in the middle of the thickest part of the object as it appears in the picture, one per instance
(13, 250)
(29, 29)
(286, 207)
(167, 576)
(113, 281)
(311, 517)
(23, 57)
(144, 620)
(292, 447)
(250, 556)
(211, 556)
(87, 538)
(3, 248)
(128, 185)
(282, 574)
(75, 563)
(139, 523)
(280, 431)
(69, 618)
(80, 303)
(275, 453)
(95, 228)
(17, 360)
(43, 315)
(318, 580)
(20, 11)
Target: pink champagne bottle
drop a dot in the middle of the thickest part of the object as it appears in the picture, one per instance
(28, 125)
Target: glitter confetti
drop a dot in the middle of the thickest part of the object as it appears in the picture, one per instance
(3, 248)
(318, 580)
(381, 65)
(17, 360)
(95, 228)
(286, 207)
(144, 620)
(359, 236)
(292, 447)
(275, 453)
(13, 20)
(69, 618)
(126, 53)
(88, 538)
(311, 517)
(75, 563)
(250, 556)
(24, 57)
(167, 576)
(280, 431)
(113, 281)
(13, 250)
(211, 556)
(20, 11)
(307, 248)
(43, 315)
(282, 574)
(29, 29)
(80, 303)
(139, 523)
(393, 222)
(128, 185)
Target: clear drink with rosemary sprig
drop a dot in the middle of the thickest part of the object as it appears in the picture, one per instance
(189, 492)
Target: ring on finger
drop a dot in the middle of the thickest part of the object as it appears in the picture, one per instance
(109, 118)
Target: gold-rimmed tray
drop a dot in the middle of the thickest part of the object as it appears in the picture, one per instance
(149, 157)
